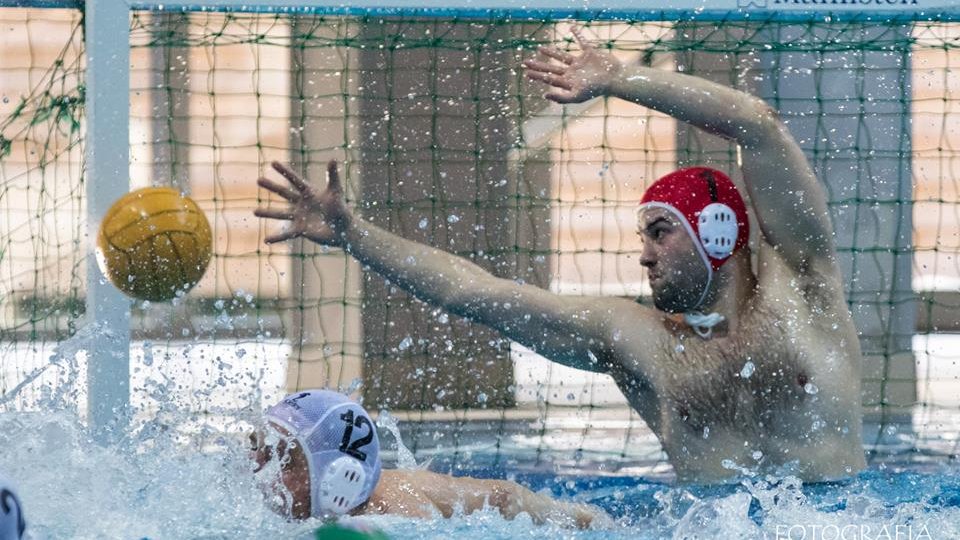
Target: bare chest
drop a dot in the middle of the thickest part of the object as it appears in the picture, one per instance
(774, 368)
(736, 380)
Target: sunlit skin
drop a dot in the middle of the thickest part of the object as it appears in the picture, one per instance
(413, 493)
(777, 386)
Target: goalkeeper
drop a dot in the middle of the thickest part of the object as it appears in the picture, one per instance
(733, 367)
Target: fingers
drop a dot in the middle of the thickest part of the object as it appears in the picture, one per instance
(557, 54)
(551, 79)
(544, 67)
(577, 32)
(333, 177)
(273, 213)
(281, 237)
(291, 176)
(560, 97)
(280, 190)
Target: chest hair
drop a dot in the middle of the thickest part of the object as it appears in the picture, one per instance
(741, 381)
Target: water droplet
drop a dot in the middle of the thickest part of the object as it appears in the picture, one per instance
(147, 353)
(810, 388)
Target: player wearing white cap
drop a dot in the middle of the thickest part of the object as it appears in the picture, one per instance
(326, 455)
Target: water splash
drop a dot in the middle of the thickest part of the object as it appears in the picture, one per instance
(67, 360)
(152, 485)
(171, 484)
(177, 477)
(405, 458)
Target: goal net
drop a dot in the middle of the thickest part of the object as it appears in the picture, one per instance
(441, 140)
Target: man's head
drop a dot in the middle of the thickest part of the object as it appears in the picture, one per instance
(692, 221)
(327, 451)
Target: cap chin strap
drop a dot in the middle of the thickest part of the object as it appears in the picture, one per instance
(701, 323)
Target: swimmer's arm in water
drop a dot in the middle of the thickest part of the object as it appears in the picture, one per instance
(574, 331)
(420, 493)
(790, 203)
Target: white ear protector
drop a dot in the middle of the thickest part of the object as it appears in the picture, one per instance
(718, 230)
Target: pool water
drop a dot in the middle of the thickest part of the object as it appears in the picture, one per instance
(163, 483)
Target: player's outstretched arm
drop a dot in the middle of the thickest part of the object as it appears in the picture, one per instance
(569, 330)
(512, 499)
(408, 492)
(789, 201)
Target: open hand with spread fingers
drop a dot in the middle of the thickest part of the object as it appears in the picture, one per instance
(575, 78)
(320, 217)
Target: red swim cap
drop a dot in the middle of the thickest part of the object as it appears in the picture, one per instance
(711, 209)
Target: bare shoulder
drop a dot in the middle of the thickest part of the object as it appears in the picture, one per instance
(409, 480)
(808, 311)
(638, 339)
(610, 311)
(422, 493)
(630, 319)
(400, 492)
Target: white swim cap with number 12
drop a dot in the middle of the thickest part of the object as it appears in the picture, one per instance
(341, 445)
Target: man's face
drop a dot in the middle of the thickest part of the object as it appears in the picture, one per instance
(281, 468)
(676, 271)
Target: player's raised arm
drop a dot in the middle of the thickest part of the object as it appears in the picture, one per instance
(569, 330)
(789, 201)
